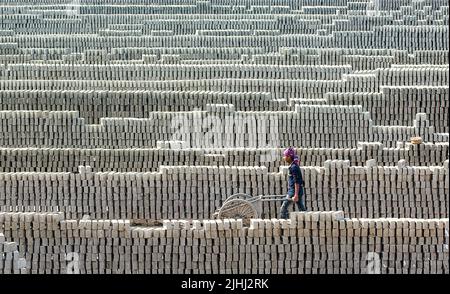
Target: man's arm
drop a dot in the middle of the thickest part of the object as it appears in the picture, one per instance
(298, 183)
(296, 193)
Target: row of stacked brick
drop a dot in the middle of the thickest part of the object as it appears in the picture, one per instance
(414, 75)
(384, 107)
(384, 5)
(149, 160)
(367, 82)
(426, 75)
(404, 75)
(398, 105)
(306, 18)
(358, 59)
(220, 126)
(63, 71)
(428, 37)
(312, 242)
(394, 105)
(417, 35)
(310, 20)
(93, 105)
(195, 192)
(279, 88)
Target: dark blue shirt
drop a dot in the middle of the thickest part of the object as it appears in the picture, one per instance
(295, 177)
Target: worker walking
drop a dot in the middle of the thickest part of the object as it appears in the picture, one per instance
(295, 184)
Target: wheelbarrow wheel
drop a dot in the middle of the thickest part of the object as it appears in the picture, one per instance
(232, 197)
(238, 209)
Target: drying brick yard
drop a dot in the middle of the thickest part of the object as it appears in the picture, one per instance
(126, 125)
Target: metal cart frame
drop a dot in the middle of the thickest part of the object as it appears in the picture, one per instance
(244, 206)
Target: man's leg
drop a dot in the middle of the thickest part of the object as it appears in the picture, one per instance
(285, 209)
(301, 201)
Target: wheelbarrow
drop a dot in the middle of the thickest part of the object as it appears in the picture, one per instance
(244, 206)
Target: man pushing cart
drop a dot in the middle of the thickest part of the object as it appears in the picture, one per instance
(246, 207)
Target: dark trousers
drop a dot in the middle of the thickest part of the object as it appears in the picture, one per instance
(286, 203)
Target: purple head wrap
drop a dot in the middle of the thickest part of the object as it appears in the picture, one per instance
(290, 152)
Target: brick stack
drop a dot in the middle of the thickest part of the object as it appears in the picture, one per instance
(312, 242)
(161, 109)
(149, 160)
(195, 192)
(312, 125)
(11, 261)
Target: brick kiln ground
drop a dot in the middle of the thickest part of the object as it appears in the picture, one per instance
(105, 108)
